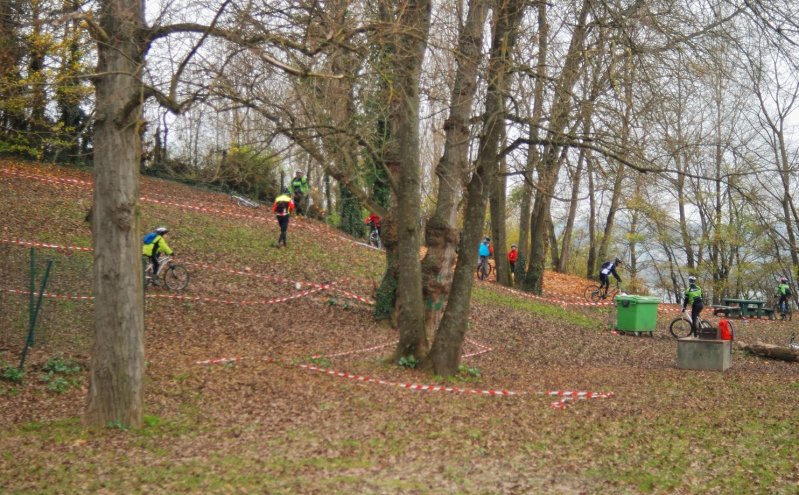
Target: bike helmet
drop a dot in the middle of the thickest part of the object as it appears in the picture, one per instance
(487, 239)
(285, 190)
(512, 246)
(691, 279)
(783, 280)
(618, 260)
(298, 172)
(161, 230)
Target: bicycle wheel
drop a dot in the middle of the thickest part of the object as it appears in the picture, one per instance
(679, 328)
(482, 271)
(176, 277)
(592, 293)
(374, 239)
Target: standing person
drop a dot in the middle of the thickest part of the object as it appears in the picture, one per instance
(283, 207)
(608, 268)
(693, 296)
(783, 292)
(154, 245)
(299, 186)
(513, 255)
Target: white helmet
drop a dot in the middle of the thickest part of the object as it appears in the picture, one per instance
(161, 230)
(691, 279)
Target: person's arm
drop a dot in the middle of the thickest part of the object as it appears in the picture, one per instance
(163, 247)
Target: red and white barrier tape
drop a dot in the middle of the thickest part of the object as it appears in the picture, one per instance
(49, 295)
(45, 245)
(78, 183)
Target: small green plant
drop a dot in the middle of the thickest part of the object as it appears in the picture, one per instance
(408, 361)
(60, 365)
(116, 424)
(321, 361)
(469, 371)
(59, 385)
(331, 302)
(57, 374)
(11, 374)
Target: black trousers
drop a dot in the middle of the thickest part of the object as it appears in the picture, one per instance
(695, 310)
(283, 221)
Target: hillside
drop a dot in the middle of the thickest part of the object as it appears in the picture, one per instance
(268, 375)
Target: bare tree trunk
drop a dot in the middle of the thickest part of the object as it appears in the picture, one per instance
(497, 207)
(448, 344)
(403, 156)
(591, 264)
(441, 230)
(561, 107)
(117, 366)
(535, 122)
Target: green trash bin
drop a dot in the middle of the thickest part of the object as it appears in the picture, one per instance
(636, 313)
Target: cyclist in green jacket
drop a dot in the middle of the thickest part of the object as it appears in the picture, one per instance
(693, 296)
(154, 246)
(783, 292)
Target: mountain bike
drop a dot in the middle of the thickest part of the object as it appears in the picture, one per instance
(778, 311)
(681, 326)
(484, 269)
(595, 292)
(174, 276)
(374, 238)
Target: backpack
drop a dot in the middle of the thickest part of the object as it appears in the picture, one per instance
(282, 206)
(150, 238)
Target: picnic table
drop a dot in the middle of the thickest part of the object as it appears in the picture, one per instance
(749, 307)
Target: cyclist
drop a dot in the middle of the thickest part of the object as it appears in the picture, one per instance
(783, 292)
(154, 245)
(373, 221)
(299, 186)
(693, 296)
(485, 250)
(513, 255)
(607, 269)
(283, 207)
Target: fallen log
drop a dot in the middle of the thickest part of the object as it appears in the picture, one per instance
(771, 351)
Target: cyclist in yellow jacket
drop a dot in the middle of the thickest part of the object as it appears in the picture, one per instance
(693, 297)
(154, 246)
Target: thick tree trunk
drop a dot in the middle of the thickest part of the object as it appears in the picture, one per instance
(441, 230)
(413, 27)
(498, 233)
(448, 344)
(535, 123)
(117, 366)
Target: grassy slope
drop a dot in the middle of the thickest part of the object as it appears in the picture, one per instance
(257, 426)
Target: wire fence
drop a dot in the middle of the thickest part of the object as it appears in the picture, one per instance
(63, 324)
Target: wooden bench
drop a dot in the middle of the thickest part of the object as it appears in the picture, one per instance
(727, 311)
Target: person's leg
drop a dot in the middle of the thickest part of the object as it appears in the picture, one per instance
(156, 265)
(283, 223)
(285, 229)
(695, 310)
(604, 282)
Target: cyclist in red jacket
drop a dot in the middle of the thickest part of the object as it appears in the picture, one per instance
(513, 255)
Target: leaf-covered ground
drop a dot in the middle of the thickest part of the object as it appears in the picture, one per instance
(276, 420)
